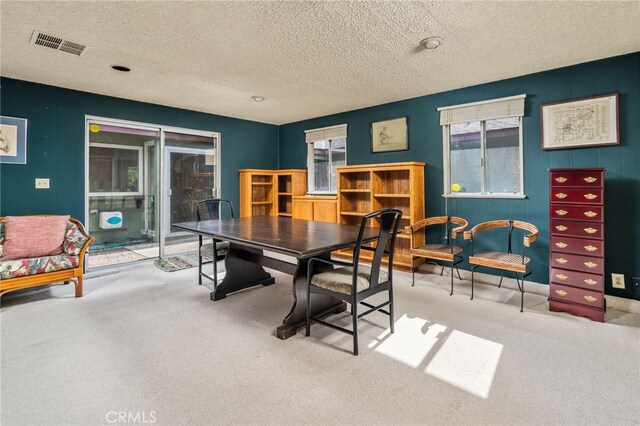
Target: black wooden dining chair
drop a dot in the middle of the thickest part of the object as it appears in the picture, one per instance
(352, 282)
(210, 209)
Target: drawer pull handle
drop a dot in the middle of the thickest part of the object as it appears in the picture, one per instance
(589, 281)
(590, 196)
(562, 195)
(561, 179)
(561, 260)
(561, 277)
(590, 179)
(590, 248)
(561, 293)
(561, 228)
(590, 265)
(560, 244)
(590, 230)
(561, 212)
(590, 299)
(590, 214)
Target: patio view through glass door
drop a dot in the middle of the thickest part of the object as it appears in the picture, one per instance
(122, 171)
(140, 179)
(190, 175)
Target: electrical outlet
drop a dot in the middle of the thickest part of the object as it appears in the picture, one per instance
(42, 183)
(617, 281)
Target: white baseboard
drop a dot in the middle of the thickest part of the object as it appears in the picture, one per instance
(613, 302)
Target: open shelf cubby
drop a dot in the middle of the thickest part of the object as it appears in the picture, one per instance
(366, 188)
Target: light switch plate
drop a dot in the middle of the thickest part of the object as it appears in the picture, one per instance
(42, 183)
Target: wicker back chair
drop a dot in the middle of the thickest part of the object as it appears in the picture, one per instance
(507, 260)
(447, 252)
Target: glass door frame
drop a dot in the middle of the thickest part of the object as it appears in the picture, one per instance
(162, 190)
(168, 150)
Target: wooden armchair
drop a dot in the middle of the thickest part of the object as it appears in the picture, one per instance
(506, 261)
(447, 252)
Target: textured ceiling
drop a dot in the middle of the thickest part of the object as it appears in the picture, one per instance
(308, 58)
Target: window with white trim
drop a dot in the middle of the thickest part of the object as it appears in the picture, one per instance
(482, 148)
(326, 150)
(115, 170)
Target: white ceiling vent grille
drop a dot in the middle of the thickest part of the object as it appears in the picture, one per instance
(57, 43)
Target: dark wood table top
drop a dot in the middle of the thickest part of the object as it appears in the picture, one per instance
(294, 237)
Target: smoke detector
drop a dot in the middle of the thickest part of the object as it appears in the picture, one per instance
(431, 43)
(57, 43)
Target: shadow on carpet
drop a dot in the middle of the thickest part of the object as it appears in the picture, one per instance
(177, 263)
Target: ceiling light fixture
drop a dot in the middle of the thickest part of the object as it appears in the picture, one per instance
(121, 68)
(257, 98)
(431, 43)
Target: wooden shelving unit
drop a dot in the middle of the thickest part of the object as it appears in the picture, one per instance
(291, 183)
(366, 188)
(270, 192)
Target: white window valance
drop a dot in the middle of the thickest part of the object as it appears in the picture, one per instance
(326, 133)
(512, 106)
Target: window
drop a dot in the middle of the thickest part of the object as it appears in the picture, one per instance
(483, 148)
(326, 150)
(115, 169)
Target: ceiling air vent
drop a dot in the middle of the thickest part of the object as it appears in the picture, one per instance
(57, 43)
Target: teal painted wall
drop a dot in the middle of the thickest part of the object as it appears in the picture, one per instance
(55, 144)
(620, 74)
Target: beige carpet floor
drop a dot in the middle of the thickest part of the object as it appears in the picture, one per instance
(145, 346)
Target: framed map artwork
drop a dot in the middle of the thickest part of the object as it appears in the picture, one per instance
(580, 123)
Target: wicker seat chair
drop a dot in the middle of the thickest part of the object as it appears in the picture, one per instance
(210, 209)
(447, 252)
(507, 260)
(353, 283)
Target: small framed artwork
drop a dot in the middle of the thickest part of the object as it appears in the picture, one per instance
(580, 123)
(13, 140)
(389, 135)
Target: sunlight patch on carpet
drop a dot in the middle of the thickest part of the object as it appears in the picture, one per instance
(467, 362)
(409, 344)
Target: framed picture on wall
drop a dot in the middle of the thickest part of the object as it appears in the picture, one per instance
(13, 140)
(580, 123)
(389, 135)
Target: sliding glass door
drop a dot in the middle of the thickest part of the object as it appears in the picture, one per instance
(191, 175)
(122, 171)
(140, 180)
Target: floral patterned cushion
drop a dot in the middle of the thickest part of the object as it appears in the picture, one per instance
(37, 265)
(74, 240)
(1, 238)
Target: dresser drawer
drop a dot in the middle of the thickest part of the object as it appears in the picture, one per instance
(593, 265)
(573, 195)
(575, 212)
(576, 295)
(576, 229)
(593, 282)
(570, 178)
(577, 246)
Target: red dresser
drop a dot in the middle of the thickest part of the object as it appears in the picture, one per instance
(576, 245)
